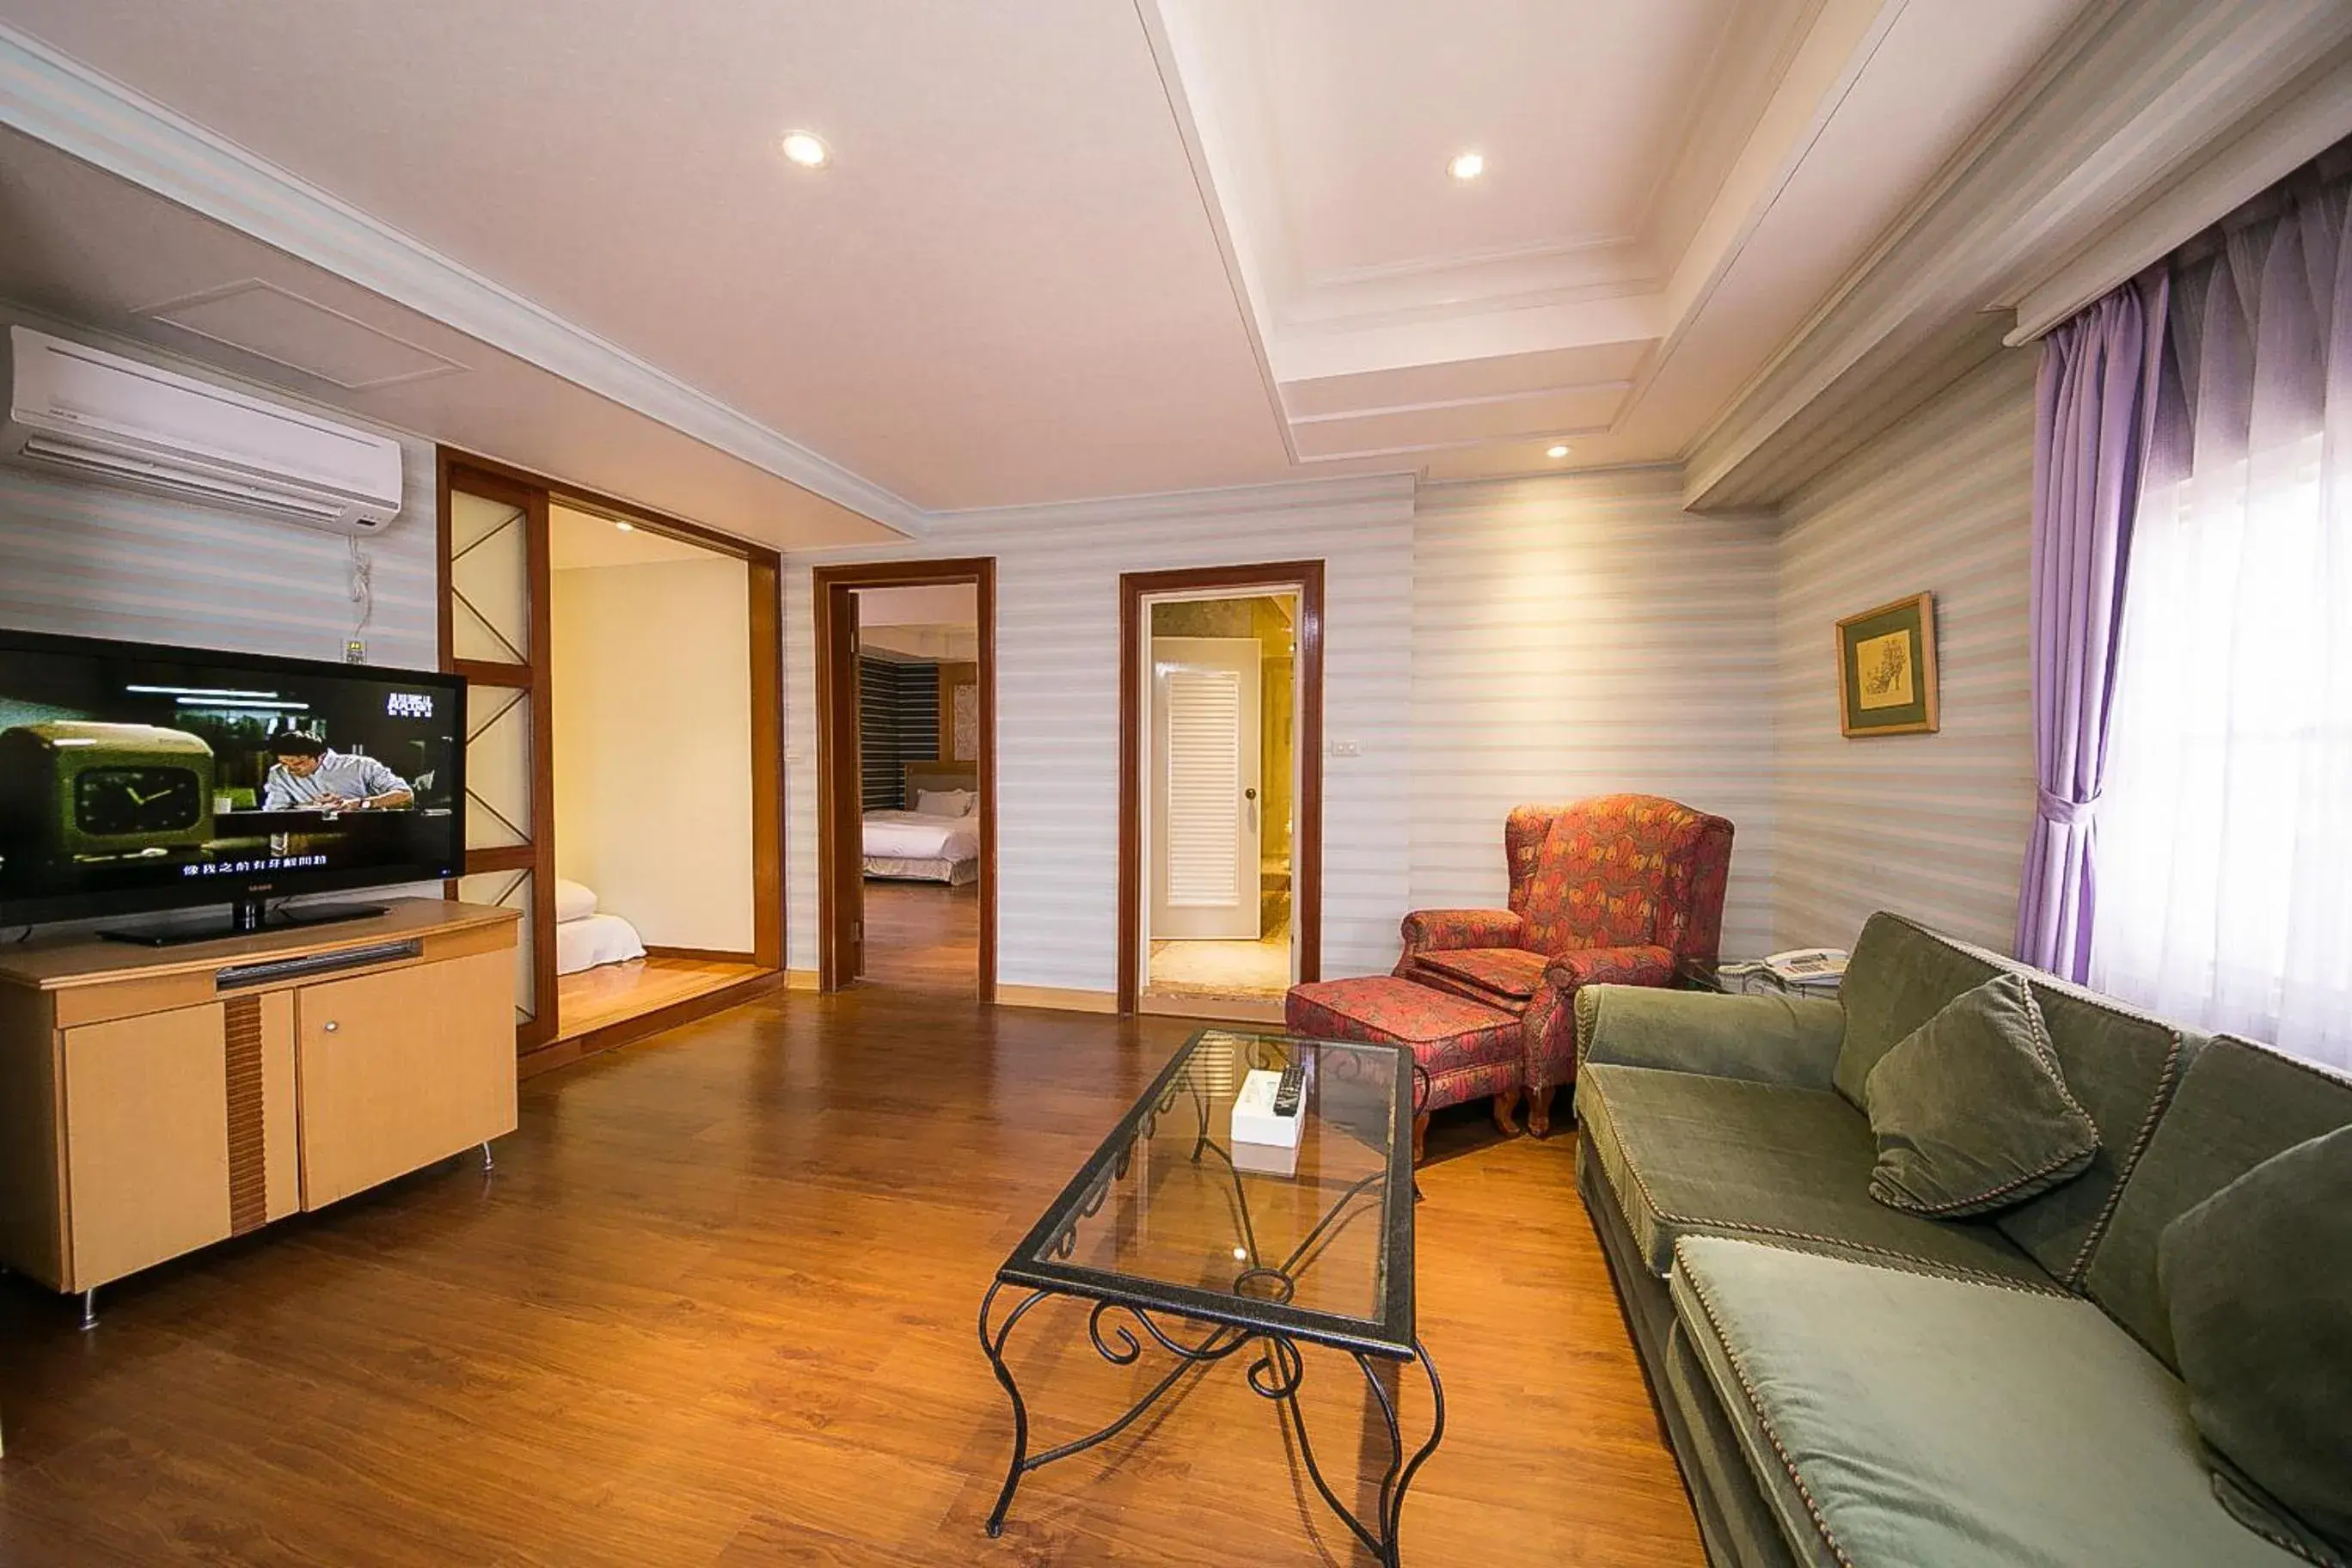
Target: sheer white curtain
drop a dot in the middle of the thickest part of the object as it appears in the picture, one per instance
(2225, 830)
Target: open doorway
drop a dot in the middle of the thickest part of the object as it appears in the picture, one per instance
(1221, 792)
(918, 780)
(906, 749)
(654, 727)
(656, 760)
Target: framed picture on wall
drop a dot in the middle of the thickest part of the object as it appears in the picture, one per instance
(1886, 670)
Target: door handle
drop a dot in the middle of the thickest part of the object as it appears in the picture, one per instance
(331, 1026)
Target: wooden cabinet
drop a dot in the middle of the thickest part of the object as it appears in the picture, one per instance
(393, 1075)
(152, 1102)
(146, 1142)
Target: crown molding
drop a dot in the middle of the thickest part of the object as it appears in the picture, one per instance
(56, 100)
(2136, 93)
(1285, 495)
(2312, 119)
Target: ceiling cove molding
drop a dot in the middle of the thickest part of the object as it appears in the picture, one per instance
(2137, 94)
(1245, 500)
(1204, 184)
(2316, 116)
(57, 100)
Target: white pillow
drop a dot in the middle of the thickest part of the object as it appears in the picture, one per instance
(572, 901)
(943, 802)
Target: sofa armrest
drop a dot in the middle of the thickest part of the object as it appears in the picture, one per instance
(1791, 1040)
(1437, 930)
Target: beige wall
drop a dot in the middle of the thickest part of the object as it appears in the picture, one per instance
(653, 746)
(1933, 826)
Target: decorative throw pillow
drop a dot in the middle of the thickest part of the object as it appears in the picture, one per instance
(2257, 1282)
(1970, 1110)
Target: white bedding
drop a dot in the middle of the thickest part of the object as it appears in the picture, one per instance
(911, 836)
(593, 940)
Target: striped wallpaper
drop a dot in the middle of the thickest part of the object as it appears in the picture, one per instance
(1582, 635)
(1933, 826)
(97, 561)
(1058, 707)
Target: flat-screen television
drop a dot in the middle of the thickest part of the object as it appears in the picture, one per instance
(137, 778)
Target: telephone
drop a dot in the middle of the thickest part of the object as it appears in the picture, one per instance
(1801, 964)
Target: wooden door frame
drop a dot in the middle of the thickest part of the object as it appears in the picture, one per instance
(455, 471)
(764, 572)
(839, 798)
(1306, 841)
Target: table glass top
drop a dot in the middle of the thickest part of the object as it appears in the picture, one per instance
(1173, 1210)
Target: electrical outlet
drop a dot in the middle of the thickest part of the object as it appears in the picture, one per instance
(1346, 748)
(354, 651)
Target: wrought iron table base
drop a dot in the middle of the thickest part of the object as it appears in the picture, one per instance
(1277, 1375)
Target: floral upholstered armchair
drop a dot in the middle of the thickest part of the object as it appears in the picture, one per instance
(1615, 890)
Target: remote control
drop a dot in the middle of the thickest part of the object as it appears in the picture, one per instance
(1286, 1095)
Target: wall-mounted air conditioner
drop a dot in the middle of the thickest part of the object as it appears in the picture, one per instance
(80, 411)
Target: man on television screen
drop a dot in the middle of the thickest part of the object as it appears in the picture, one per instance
(308, 777)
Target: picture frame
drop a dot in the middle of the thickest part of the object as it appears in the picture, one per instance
(1886, 670)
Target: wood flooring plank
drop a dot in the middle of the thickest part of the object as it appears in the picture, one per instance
(717, 1306)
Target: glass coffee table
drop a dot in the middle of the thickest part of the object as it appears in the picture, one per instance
(1191, 1247)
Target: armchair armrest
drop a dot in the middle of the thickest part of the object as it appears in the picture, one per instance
(1434, 931)
(1611, 966)
(1791, 1040)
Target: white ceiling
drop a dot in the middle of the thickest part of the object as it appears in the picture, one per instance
(1068, 250)
(1671, 189)
(578, 538)
(1373, 99)
(1003, 290)
(87, 249)
(946, 604)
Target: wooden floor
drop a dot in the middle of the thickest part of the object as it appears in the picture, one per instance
(609, 993)
(923, 936)
(715, 1308)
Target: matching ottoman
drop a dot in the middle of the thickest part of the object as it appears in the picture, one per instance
(1467, 1048)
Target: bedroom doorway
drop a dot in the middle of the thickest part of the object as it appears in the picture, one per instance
(906, 730)
(549, 594)
(655, 890)
(1220, 788)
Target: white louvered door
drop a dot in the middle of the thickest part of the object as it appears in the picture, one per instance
(1206, 792)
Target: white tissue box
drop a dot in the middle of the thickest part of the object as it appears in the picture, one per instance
(1254, 1118)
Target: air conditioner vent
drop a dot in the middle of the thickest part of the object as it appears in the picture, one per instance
(112, 420)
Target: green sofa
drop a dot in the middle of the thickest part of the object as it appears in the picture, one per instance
(1849, 1386)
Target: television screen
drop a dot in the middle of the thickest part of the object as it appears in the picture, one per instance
(135, 777)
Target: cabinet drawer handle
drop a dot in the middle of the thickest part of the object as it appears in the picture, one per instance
(331, 1026)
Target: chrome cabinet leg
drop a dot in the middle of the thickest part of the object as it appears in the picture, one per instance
(89, 1308)
(487, 1163)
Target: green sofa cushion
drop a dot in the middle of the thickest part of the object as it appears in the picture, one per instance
(1898, 1419)
(1969, 1109)
(2120, 1065)
(2257, 1280)
(2238, 1104)
(1687, 1154)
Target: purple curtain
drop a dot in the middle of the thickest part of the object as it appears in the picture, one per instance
(2093, 411)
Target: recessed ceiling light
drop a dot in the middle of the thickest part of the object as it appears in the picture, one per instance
(807, 149)
(1555, 452)
(1466, 165)
(626, 527)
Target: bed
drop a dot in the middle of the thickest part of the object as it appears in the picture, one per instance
(937, 845)
(586, 938)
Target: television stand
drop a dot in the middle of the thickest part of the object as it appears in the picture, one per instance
(247, 917)
(152, 1102)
